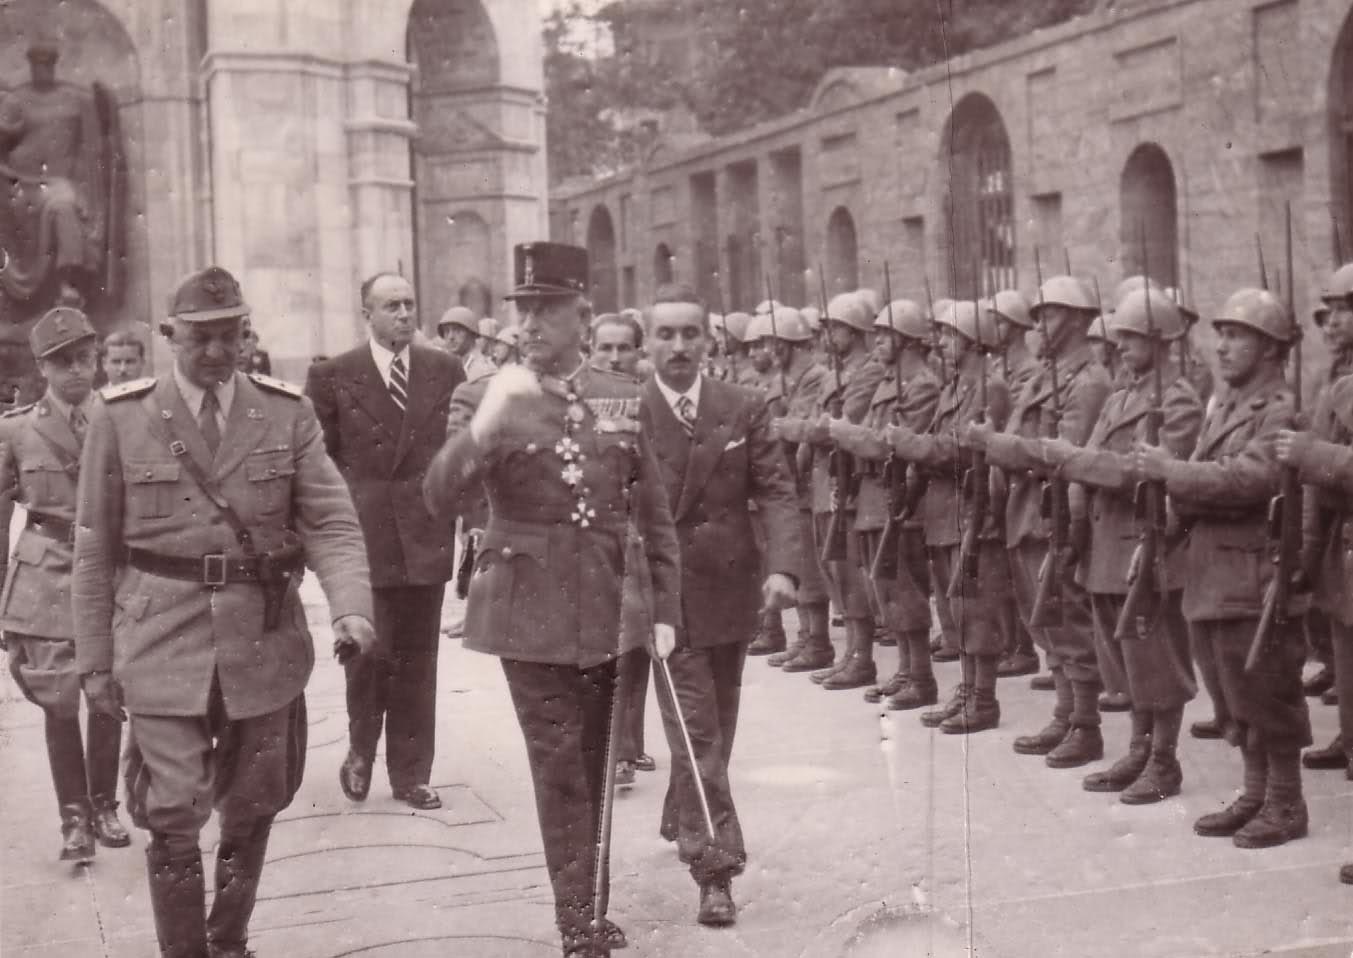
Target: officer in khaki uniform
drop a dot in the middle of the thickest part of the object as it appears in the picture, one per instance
(906, 396)
(203, 495)
(1153, 656)
(39, 467)
(560, 590)
(1221, 497)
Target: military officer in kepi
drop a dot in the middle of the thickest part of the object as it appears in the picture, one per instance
(39, 467)
(203, 496)
(577, 566)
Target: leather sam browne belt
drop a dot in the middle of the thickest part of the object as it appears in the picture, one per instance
(52, 527)
(216, 570)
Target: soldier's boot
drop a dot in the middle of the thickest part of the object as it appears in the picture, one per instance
(77, 833)
(981, 711)
(1044, 741)
(818, 676)
(1020, 658)
(770, 635)
(920, 688)
(1127, 769)
(108, 828)
(1235, 816)
(936, 717)
(1282, 818)
(817, 651)
(1346, 874)
(778, 659)
(101, 760)
(1206, 728)
(1084, 743)
(898, 680)
(1332, 756)
(177, 897)
(860, 669)
(239, 864)
(1163, 776)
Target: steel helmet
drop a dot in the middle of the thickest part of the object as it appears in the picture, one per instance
(939, 307)
(871, 300)
(1186, 312)
(905, 317)
(1064, 291)
(977, 325)
(786, 324)
(1011, 305)
(851, 310)
(735, 326)
(1131, 284)
(812, 316)
(1099, 331)
(459, 316)
(1340, 286)
(765, 306)
(1261, 311)
(1166, 320)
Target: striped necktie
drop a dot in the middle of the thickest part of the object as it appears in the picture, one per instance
(686, 414)
(399, 384)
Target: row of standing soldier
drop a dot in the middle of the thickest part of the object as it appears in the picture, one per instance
(1117, 519)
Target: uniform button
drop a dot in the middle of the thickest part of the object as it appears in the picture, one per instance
(272, 472)
(532, 448)
(149, 474)
(507, 552)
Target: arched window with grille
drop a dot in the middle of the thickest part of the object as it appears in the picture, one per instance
(979, 214)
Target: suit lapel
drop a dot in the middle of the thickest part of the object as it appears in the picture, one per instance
(422, 400)
(244, 427)
(670, 443)
(367, 388)
(712, 431)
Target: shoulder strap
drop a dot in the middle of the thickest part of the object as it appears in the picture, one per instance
(179, 450)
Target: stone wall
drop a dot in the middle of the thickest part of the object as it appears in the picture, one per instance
(1247, 102)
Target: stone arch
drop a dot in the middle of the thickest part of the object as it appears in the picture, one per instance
(843, 252)
(979, 217)
(1148, 207)
(664, 262)
(601, 250)
(454, 49)
(1340, 108)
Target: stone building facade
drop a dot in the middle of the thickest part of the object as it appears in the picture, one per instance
(305, 144)
(1193, 122)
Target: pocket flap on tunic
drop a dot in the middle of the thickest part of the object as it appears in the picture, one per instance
(260, 467)
(139, 472)
(508, 544)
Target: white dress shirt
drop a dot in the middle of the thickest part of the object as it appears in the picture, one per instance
(674, 398)
(193, 396)
(384, 358)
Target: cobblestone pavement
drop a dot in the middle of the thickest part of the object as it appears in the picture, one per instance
(868, 836)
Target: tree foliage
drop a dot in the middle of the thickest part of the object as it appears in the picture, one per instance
(757, 59)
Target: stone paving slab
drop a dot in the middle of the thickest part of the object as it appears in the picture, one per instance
(868, 836)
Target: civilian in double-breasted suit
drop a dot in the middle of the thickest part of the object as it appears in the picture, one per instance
(1155, 659)
(383, 406)
(1221, 497)
(202, 497)
(715, 457)
(39, 467)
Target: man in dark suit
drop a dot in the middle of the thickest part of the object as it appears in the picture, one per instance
(383, 406)
(715, 457)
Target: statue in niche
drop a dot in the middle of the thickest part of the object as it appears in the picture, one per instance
(62, 192)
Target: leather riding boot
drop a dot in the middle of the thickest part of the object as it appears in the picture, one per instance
(817, 651)
(1044, 741)
(1124, 772)
(770, 635)
(239, 863)
(980, 711)
(859, 670)
(899, 679)
(77, 833)
(1235, 816)
(1282, 817)
(177, 901)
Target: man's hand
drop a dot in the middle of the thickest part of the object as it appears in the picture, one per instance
(975, 436)
(353, 636)
(819, 431)
(1148, 461)
(778, 592)
(664, 640)
(508, 385)
(1291, 446)
(103, 694)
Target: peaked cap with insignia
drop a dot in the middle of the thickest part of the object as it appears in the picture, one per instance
(548, 269)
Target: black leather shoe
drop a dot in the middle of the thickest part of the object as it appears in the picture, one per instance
(1320, 683)
(424, 797)
(107, 828)
(354, 777)
(895, 684)
(1332, 756)
(1276, 824)
(944, 655)
(1229, 820)
(1044, 741)
(767, 643)
(1083, 744)
(1161, 779)
(716, 905)
(1018, 663)
(1043, 683)
(974, 717)
(1330, 697)
(77, 834)
(1207, 728)
(645, 763)
(624, 773)
(1121, 773)
(1115, 702)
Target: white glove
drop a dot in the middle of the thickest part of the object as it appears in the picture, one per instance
(664, 640)
(508, 384)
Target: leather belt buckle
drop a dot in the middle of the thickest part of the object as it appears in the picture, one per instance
(214, 570)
